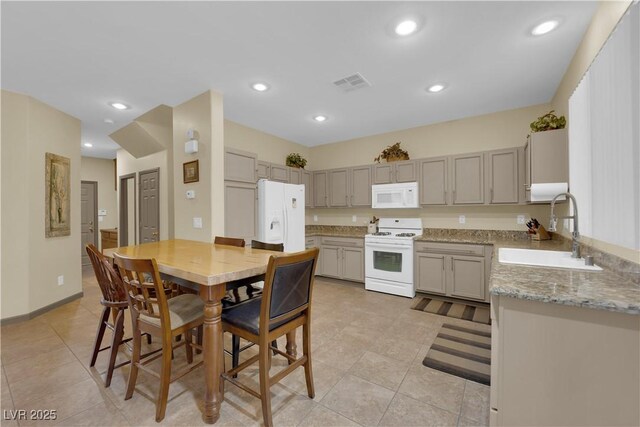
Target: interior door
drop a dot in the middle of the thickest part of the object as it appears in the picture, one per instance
(89, 215)
(149, 206)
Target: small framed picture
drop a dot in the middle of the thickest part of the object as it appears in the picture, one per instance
(190, 172)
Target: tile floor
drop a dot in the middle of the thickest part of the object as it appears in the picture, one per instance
(367, 362)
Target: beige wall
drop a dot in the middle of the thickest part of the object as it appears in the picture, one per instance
(268, 147)
(31, 263)
(602, 24)
(103, 172)
(490, 131)
(204, 113)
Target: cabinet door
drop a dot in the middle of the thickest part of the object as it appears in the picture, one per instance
(330, 261)
(467, 277)
(549, 156)
(264, 170)
(430, 273)
(320, 196)
(279, 173)
(338, 188)
(353, 264)
(307, 180)
(360, 186)
(405, 171)
(239, 166)
(468, 179)
(433, 181)
(240, 219)
(295, 176)
(383, 173)
(502, 176)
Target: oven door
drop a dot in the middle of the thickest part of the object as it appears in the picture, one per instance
(389, 261)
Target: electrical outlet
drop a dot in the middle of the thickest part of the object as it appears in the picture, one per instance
(315, 218)
(462, 219)
(354, 218)
(60, 280)
(197, 222)
(520, 219)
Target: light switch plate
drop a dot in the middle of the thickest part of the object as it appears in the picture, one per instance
(520, 219)
(315, 218)
(191, 194)
(197, 222)
(354, 218)
(102, 212)
(462, 219)
(60, 280)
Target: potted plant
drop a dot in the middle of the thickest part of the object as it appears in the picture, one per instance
(392, 153)
(295, 160)
(548, 122)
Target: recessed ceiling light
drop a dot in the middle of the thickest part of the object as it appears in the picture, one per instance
(108, 121)
(260, 87)
(320, 118)
(436, 88)
(407, 27)
(119, 105)
(88, 144)
(544, 28)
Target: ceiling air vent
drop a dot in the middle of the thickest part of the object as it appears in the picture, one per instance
(352, 82)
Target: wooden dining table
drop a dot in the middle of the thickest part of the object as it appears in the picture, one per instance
(210, 267)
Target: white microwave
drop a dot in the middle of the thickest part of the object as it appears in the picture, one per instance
(394, 196)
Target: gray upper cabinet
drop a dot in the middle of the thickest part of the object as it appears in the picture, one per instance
(240, 219)
(433, 181)
(502, 176)
(295, 176)
(307, 180)
(339, 188)
(546, 158)
(239, 166)
(264, 170)
(279, 173)
(467, 178)
(405, 171)
(383, 173)
(320, 193)
(387, 173)
(360, 186)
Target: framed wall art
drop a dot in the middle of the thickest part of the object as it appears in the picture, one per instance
(190, 172)
(57, 195)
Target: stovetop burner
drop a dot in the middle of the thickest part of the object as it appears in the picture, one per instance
(405, 234)
(381, 233)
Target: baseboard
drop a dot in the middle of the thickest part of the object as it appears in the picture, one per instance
(42, 310)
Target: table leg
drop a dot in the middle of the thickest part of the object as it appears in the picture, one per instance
(292, 348)
(213, 351)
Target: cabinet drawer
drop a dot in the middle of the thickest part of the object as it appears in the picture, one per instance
(343, 241)
(310, 242)
(450, 248)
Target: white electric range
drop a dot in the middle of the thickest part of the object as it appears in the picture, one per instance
(389, 256)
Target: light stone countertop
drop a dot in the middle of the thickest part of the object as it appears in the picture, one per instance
(602, 290)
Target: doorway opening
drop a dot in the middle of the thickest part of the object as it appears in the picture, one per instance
(127, 228)
(89, 217)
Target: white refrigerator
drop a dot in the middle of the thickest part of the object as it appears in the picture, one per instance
(281, 214)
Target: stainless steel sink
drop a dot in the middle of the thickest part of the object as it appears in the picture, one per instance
(541, 258)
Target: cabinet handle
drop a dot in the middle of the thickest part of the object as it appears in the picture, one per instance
(491, 190)
(451, 264)
(346, 199)
(454, 196)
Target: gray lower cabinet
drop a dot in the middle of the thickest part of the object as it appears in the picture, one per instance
(433, 181)
(279, 173)
(360, 184)
(307, 180)
(467, 178)
(452, 269)
(320, 189)
(338, 188)
(239, 166)
(502, 176)
(264, 170)
(342, 258)
(312, 242)
(240, 210)
(295, 176)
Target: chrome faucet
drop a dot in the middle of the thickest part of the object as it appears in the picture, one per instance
(553, 222)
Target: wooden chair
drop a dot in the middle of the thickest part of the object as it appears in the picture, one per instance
(153, 313)
(114, 300)
(284, 306)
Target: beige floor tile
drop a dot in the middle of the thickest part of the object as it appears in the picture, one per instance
(475, 404)
(398, 349)
(14, 353)
(380, 370)
(37, 365)
(341, 352)
(465, 422)
(104, 414)
(434, 387)
(358, 400)
(325, 376)
(405, 411)
(324, 417)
